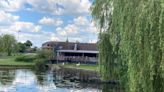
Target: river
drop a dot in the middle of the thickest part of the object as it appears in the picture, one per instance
(27, 80)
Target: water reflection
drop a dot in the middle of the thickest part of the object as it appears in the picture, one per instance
(6, 77)
(23, 80)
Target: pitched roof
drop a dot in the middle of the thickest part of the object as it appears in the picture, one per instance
(71, 45)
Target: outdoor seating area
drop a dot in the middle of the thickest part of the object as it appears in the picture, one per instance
(73, 52)
(78, 59)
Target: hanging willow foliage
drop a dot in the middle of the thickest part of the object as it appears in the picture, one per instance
(133, 39)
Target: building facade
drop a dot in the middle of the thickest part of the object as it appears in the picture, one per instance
(73, 51)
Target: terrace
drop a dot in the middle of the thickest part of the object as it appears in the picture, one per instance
(73, 52)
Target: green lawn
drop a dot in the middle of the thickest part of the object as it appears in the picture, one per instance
(82, 66)
(10, 60)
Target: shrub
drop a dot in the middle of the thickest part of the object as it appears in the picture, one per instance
(41, 58)
(40, 65)
(45, 54)
(25, 58)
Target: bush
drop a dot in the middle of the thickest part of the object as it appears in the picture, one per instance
(41, 58)
(25, 58)
(40, 65)
(45, 54)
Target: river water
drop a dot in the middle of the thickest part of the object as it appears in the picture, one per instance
(27, 80)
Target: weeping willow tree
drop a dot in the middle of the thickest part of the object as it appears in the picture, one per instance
(131, 44)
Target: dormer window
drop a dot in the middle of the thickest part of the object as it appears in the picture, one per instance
(60, 47)
(75, 47)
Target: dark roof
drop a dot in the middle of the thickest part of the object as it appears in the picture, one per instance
(71, 45)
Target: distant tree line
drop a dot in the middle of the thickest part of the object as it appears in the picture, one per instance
(26, 47)
(9, 45)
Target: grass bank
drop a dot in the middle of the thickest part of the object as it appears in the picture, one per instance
(81, 66)
(10, 61)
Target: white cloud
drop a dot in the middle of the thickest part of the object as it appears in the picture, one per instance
(37, 28)
(58, 7)
(25, 27)
(80, 29)
(36, 37)
(46, 20)
(11, 5)
(81, 20)
(10, 24)
(75, 6)
(85, 24)
(79, 25)
(68, 30)
(54, 37)
(7, 19)
(71, 29)
(61, 31)
(92, 28)
(51, 21)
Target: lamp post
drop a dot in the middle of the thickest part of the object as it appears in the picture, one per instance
(18, 34)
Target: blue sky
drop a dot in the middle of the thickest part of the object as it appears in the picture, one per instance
(48, 20)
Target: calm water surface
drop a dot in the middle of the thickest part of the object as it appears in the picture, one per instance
(23, 80)
(26, 80)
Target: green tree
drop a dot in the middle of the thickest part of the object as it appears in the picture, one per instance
(1, 49)
(21, 47)
(28, 43)
(42, 58)
(135, 31)
(45, 54)
(8, 44)
(35, 49)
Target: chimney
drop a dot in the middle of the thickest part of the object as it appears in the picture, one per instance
(75, 47)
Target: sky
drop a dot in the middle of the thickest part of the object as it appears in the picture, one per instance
(48, 20)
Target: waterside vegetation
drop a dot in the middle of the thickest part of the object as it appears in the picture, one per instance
(81, 66)
(131, 43)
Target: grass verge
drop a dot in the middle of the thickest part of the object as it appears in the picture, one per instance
(82, 66)
(10, 61)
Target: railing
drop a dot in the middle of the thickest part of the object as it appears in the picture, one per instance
(77, 58)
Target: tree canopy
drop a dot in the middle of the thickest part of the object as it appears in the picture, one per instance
(8, 44)
(1, 44)
(28, 43)
(131, 42)
(21, 47)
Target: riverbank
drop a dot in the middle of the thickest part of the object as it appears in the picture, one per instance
(81, 66)
(76, 66)
(81, 74)
(9, 61)
(6, 67)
